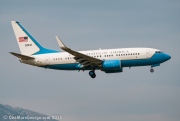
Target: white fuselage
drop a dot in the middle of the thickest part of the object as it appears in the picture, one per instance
(104, 54)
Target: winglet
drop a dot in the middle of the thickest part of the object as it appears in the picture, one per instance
(62, 46)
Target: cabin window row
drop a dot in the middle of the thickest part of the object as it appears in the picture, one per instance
(62, 59)
(96, 56)
(57, 58)
(108, 55)
(69, 58)
(100, 56)
(127, 54)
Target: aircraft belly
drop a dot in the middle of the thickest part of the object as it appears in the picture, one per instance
(68, 66)
(137, 62)
(155, 59)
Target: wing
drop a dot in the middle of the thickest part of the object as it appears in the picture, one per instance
(83, 59)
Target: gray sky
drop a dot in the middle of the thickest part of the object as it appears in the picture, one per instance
(135, 94)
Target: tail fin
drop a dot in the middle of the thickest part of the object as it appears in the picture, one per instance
(27, 44)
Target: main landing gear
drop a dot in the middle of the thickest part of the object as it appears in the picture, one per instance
(151, 70)
(92, 74)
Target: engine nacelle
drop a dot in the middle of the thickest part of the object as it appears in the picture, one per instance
(111, 65)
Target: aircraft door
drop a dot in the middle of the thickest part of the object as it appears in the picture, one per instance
(47, 61)
(147, 53)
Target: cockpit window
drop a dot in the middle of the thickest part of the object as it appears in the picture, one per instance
(158, 52)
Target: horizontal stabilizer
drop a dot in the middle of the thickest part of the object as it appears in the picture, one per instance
(21, 56)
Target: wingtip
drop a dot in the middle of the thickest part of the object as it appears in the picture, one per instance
(60, 42)
(57, 38)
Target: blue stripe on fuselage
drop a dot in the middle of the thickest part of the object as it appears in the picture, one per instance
(155, 59)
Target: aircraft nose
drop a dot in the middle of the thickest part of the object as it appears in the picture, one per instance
(167, 57)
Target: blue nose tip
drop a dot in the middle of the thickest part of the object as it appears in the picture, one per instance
(167, 57)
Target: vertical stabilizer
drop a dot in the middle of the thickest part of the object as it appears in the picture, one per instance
(27, 44)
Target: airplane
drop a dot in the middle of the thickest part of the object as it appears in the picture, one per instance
(107, 60)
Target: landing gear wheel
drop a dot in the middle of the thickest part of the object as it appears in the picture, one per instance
(92, 74)
(151, 70)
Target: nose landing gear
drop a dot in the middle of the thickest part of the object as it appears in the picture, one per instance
(151, 70)
(92, 74)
